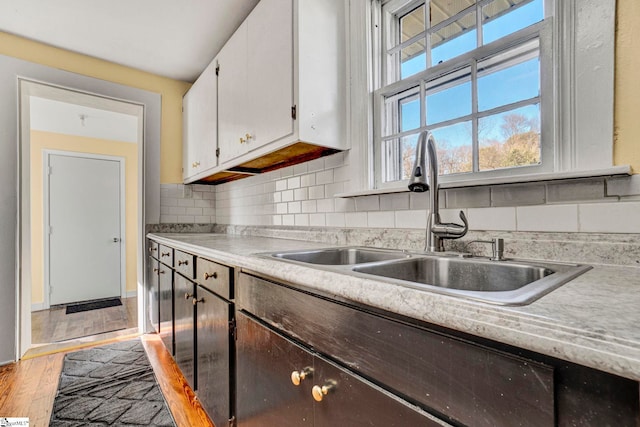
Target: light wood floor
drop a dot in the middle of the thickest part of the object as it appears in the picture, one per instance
(28, 387)
(54, 325)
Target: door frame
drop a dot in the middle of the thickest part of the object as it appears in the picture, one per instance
(47, 200)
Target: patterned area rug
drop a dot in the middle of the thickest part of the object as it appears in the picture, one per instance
(112, 385)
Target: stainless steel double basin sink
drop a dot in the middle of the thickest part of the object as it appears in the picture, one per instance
(507, 282)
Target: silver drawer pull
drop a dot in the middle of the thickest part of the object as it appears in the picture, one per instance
(183, 263)
(165, 254)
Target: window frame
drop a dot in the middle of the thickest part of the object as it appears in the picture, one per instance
(386, 12)
(580, 43)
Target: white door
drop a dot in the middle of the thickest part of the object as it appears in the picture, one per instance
(84, 219)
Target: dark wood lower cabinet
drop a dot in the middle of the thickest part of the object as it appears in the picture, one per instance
(214, 354)
(327, 396)
(166, 306)
(184, 333)
(153, 295)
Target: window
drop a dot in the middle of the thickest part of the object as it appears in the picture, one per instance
(472, 73)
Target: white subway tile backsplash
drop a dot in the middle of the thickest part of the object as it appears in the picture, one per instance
(411, 219)
(324, 177)
(285, 172)
(325, 205)
(418, 200)
(394, 201)
(317, 220)
(343, 173)
(301, 194)
(315, 165)
(193, 211)
(344, 204)
(548, 218)
(287, 196)
(621, 217)
(308, 180)
(492, 218)
(276, 220)
(202, 219)
(356, 219)
(293, 183)
(316, 192)
(385, 219)
(186, 219)
(178, 210)
(188, 203)
(281, 185)
(299, 169)
(168, 219)
(335, 219)
(368, 203)
(281, 208)
(302, 220)
(288, 220)
(334, 161)
(294, 207)
(309, 206)
(335, 188)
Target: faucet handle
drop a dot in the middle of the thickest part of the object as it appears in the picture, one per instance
(451, 230)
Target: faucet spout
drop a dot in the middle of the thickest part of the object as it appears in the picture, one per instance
(436, 231)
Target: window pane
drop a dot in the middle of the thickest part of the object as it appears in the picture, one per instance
(454, 147)
(413, 59)
(412, 24)
(449, 100)
(441, 10)
(397, 157)
(409, 114)
(509, 139)
(501, 19)
(501, 86)
(455, 39)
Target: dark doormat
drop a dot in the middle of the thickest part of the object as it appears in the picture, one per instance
(93, 305)
(111, 385)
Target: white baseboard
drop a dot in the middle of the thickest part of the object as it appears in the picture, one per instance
(131, 294)
(7, 362)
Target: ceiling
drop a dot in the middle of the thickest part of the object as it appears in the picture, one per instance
(175, 39)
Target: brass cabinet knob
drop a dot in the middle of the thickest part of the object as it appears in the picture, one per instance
(298, 376)
(207, 276)
(319, 393)
(248, 137)
(196, 301)
(185, 262)
(195, 164)
(187, 295)
(242, 140)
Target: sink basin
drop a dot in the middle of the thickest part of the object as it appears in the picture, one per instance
(341, 256)
(498, 282)
(508, 282)
(459, 273)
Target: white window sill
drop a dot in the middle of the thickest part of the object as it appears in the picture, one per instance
(519, 179)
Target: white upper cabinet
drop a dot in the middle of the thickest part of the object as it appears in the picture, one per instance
(199, 106)
(281, 88)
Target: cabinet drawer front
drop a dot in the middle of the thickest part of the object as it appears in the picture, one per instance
(153, 249)
(471, 384)
(166, 255)
(184, 264)
(215, 277)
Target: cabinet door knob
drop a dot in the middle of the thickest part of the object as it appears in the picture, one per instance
(195, 164)
(298, 376)
(207, 276)
(165, 254)
(185, 262)
(319, 393)
(242, 140)
(155, 270)
(153, 249)
(248, 136)
(187, 295)
(196, 301)
(161, 271)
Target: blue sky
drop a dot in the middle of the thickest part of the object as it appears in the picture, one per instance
(495, 89)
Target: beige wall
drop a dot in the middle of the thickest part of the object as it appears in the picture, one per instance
(55, 141)
(170, 90)
(627, 85)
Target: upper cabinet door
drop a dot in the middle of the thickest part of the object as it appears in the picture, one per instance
(233, 97)
(200, 115)
(270, 71)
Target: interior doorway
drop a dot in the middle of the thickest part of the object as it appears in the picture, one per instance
(84, 226)
(80, 217)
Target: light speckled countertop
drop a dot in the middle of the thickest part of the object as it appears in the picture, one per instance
(594, 320)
